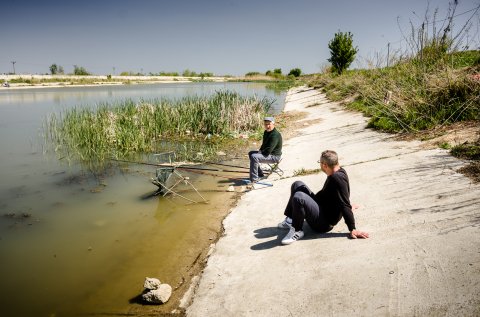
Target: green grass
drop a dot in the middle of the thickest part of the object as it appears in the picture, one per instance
(189, 126)
(282, 85)
(423, 95)
(445, 146)
(303, 172)
(469, 151)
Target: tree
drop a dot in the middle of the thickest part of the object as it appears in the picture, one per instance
(189, 73)
(295, 72)
(277, 71)
(53, 69)
(342, 52)
(77, 70)
(56, 69)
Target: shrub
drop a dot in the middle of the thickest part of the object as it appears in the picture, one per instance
(295, 72)
(80, 71)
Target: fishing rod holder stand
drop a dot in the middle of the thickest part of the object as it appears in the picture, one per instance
(165, 176)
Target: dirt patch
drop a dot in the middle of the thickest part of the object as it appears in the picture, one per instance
(472, 171)
(455, 136)
(446, 136)
(290, 122)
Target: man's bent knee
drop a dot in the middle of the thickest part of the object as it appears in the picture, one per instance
(300, 197)
(297, 184)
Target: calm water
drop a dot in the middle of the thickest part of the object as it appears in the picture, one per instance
(70, 245)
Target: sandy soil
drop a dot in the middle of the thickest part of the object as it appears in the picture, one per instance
(423, 257)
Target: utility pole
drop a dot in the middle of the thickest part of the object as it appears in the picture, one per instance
(13, 63)
(421, 41)
(388, 54)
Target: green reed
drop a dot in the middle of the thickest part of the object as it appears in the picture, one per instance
(128, 127)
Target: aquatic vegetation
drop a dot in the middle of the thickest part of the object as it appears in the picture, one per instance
(189, 126)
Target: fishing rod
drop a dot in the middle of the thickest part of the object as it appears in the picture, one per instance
(183, 167)
(209, 169)
(215, 163)
(216, 175)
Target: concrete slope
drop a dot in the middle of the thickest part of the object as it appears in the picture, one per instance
(423, 257)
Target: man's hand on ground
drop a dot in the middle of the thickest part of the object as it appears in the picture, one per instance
(355, 234)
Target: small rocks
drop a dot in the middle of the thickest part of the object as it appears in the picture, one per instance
(151, 283)
(230, 188)
(155, 292)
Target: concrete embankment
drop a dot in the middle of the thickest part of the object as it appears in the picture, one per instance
(423, 256)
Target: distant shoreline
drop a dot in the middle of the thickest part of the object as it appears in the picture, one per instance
(29, 81)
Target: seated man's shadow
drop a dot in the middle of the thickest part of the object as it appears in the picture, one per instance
(279, 234)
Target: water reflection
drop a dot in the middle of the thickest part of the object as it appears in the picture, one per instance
(73, 96)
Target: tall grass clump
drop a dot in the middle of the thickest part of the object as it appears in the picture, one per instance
(128, 127)
(434, 83)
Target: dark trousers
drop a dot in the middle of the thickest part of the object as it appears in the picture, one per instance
(302, 206)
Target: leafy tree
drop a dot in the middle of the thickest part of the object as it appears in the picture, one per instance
(79, 71)
(189, 73)
(53, 69)
(342, 51)
(277, 71)
(295, 72)
(56, 69)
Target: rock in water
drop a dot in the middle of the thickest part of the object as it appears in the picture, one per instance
(151, 283)
(158, 296)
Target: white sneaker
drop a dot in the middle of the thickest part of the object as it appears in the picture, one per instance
(292, 236)
(285, 224)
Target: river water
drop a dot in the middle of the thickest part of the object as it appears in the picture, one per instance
(71, 245)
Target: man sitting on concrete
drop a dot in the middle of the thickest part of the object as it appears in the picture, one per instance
(324, 209)
(270, 151)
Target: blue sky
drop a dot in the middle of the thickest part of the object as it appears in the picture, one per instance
(224, 37)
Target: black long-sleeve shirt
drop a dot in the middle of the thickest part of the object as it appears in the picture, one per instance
(334, 199)
(271, 143)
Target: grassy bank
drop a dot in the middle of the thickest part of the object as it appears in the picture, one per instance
(411, 95)
(189, 126)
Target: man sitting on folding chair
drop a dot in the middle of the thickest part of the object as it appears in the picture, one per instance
(270, 151)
